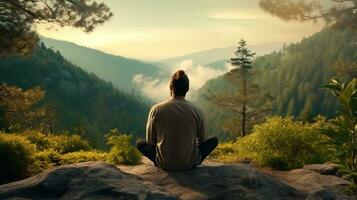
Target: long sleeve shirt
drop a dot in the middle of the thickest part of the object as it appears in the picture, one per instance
(175, 126)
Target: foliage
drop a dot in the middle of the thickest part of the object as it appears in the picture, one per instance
(17, 157)
(37, 138)
(62, 143)
(341, 13)
(17, 106)
(344, 131)
(226, 152)
(346, 70)
(47, 159)
(293, 77)
(18, 18)
(68, 143)
(122, 152)
(68, 90)
(82, 156)
(27, 153)
(285, 144)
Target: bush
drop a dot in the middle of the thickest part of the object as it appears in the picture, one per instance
(41, 141)
(226, 152)
(285, 144)
(47, 159)
(68, 143)
(17, 157)
(122, 152)
(61, 143)
(82, 156)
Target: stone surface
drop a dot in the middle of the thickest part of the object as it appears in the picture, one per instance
(217, 181)
(311, 181)
(328, 194)
(90, 180)
(326, 169)
(96, 180)
(308, 181)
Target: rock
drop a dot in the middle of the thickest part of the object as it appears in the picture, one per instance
(96, 180)
(217, 181)
(316, 185)
(91, 180)
(326, 169)
(329, 194)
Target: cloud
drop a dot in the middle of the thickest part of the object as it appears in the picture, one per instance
(153, 88)
(158, 89)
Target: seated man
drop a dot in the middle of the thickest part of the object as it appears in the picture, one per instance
(175, 131)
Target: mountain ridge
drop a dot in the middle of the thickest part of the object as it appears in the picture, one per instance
(208, 56)
(116, 69)
(77, 95)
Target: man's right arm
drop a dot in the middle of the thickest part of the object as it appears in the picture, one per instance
(150, 127)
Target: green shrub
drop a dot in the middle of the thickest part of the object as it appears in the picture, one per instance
(68, 143)
(226, 152)
(61, 143)
(17, 157)
(41, 141)
(285, 144)
(122, 152)
(47, 159)
(279, 163)
(82, 156)
(343, 131)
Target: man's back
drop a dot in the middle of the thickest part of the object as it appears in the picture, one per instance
(173, 126)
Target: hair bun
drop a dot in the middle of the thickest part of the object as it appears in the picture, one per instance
(181, 72)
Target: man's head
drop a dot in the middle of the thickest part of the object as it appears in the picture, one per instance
(179, 84)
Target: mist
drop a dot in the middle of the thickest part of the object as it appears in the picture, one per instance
(157, 89)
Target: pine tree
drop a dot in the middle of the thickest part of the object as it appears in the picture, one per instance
(243, 63)
(248, 101)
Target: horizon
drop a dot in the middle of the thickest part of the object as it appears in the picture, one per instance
(149, 36)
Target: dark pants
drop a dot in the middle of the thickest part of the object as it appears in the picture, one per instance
(149, 151)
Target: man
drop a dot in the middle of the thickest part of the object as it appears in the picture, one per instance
(176, 129)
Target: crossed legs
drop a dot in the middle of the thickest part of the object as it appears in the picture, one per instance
(149, 151)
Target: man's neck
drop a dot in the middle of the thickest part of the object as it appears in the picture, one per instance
(178, 97)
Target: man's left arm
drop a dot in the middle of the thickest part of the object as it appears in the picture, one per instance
(150, 128)
(201, 136)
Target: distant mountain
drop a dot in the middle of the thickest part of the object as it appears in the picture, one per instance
(116, 69)
(84, 104)
(293, 77)
(208, 56)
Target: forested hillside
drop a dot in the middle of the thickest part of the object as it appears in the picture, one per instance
(81, 102)
(294, 77)
(116, 69)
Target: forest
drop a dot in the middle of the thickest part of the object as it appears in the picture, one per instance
(281, 111)
(293, 78)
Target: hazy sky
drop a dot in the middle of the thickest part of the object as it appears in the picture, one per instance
(157, 29)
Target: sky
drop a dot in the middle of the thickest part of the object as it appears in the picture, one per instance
(158, 29)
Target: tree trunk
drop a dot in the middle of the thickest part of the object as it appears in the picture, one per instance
(244, 106)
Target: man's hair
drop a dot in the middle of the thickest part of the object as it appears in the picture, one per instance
(179, 83)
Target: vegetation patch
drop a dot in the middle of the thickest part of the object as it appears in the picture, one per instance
(27, 153)
(17, 157)
(122, 152)
(281, 143)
